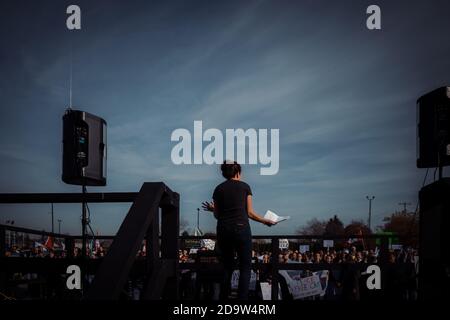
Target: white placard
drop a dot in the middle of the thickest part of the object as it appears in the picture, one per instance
(304, 248)
(283, 243)
(328, 243)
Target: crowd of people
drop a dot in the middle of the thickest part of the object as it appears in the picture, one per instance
(346, 271)
(16, 251)
(41, 251)
(343, 282)
(325, 256)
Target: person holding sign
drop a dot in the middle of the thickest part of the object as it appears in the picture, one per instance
(232, 207)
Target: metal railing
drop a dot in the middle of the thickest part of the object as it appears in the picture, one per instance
(160, 267)
(145, 266)
(111, 272)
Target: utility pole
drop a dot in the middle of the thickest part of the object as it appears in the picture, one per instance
(404, 204)
(370, 210)
(53, 230)
(59, 226)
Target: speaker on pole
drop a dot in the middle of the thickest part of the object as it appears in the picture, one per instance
(84, 149)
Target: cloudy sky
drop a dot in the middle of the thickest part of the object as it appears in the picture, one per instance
(342, 96)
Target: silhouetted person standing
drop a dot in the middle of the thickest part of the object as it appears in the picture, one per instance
(232, 207)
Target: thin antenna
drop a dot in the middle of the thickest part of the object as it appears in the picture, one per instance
(70, 85)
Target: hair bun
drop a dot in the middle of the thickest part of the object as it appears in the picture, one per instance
(230, 169)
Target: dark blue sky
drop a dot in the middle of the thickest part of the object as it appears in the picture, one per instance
(342, 96)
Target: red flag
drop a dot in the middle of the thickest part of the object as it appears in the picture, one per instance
(49, 243)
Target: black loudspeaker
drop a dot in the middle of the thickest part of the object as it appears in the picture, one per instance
(84, 149)
(433, 129)
(434, 242)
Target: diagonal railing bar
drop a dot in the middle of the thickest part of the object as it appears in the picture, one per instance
(113, 272)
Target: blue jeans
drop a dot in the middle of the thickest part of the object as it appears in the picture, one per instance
(231, 239)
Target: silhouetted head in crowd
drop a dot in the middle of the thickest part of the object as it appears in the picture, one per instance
(231, 170)
(317, 258)
(391, 257)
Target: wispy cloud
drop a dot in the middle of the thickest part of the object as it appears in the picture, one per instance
(343, 98)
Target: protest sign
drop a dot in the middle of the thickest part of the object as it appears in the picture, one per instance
(283, 243)
(303, 287)
(208, 244)
(328, 243)
(304, 248)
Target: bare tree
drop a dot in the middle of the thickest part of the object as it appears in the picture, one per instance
(313, 227)
(357, 227)
(334, 227)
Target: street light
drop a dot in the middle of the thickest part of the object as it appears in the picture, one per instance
(59, 226)
(197, 230)
(370, 209)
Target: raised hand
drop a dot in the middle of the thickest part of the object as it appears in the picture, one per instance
(208, 206)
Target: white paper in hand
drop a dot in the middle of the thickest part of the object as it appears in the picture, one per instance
(270, 215)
